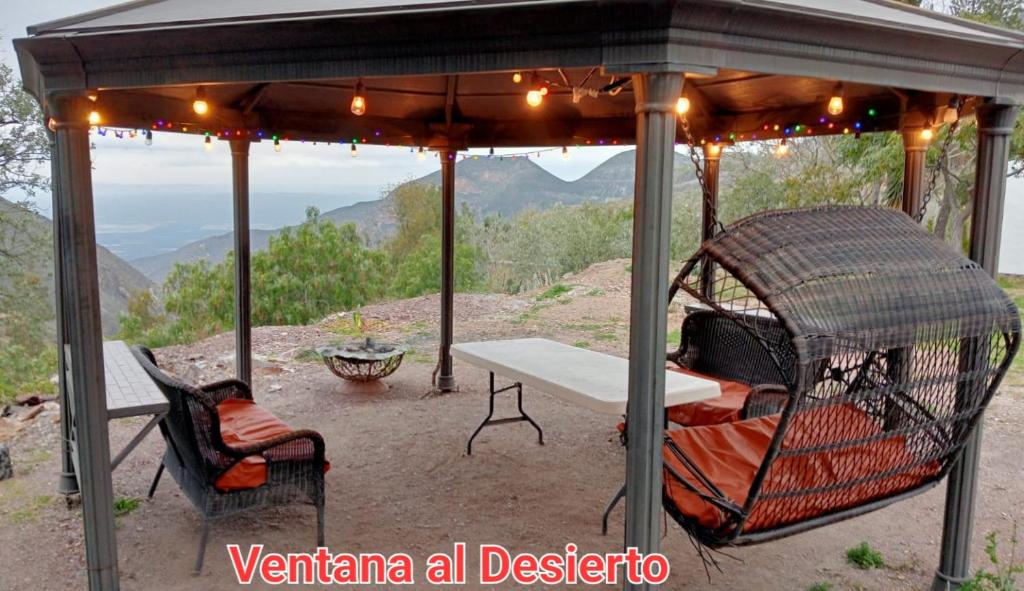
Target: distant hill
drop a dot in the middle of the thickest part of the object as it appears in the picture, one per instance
(489, 186)
(158, 267)
(118, 279)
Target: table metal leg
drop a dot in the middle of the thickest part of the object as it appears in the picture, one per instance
(518, 387)
(136, 440)
(608, 510)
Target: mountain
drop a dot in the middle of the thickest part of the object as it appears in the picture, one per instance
(158, 267)
(489, 186)
(118, 279)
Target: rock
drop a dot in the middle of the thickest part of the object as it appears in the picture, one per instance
(8, 429)
(31, 414)
(50, 405)
(276, 387)
(6, 469)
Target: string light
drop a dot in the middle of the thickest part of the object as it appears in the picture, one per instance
(537, 91)
(359, 100)
(51, 124)
(517, 77)
(565, 153)
(355, 151)
(95, 118)
(714, 149)
(782, 149)
(420, 154)
(682, 105)
(149, 137)
(199, 105)
(927, 134)
(835, 104)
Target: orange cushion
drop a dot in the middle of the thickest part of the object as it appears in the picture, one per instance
(723, 409)
(243, 422)
(730, 454)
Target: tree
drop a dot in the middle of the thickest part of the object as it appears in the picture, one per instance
(27, 355)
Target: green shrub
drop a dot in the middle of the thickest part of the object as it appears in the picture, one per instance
(554, 291)
(1004, 577)
(26, 371)
(419, 272)
(820, 586)
(865, 557)
(125, 505)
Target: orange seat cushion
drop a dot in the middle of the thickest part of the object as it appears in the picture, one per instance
(243, 422)
(730, 454)
(723, 409)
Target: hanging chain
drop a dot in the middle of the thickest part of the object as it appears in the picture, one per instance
(943, 151)
(698, 171)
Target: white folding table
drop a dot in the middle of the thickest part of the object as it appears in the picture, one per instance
(590, 379)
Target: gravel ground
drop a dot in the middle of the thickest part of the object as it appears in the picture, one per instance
(400, 480)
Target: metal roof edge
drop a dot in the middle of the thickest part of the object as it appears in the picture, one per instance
(38, 30)
(43, 27)
(997, 35)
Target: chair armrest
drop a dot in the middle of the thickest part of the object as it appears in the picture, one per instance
(763, 400)
(227, 389)
(301, 445)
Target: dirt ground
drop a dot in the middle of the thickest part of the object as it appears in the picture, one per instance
(400, 480)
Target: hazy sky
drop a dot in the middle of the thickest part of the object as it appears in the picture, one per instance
(176, 159)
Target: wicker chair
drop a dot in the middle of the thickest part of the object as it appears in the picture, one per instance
(893, 346)
(709, 347)
(223, 478)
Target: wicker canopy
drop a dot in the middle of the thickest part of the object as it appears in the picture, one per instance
(873, 349)
(852, 276)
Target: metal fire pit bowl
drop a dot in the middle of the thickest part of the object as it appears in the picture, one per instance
(364, 364)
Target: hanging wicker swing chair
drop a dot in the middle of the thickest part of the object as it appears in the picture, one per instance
(871, 349)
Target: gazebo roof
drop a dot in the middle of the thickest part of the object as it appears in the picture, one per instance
(438, 72)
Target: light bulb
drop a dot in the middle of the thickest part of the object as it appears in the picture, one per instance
(783, 148)
(359, 100)
(534, 98)
(544, 90)
(199, 105)
(714, 149)
(927, 134)
(421, 155)
(149, 138)
(208, 143)
(682, 105)
(835, 104)
(277, 145)
(51, 124)
(355, 151)
(94, 118)
(565, 153)
(517, 77)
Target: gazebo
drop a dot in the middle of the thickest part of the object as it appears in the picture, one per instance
(447, 75)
